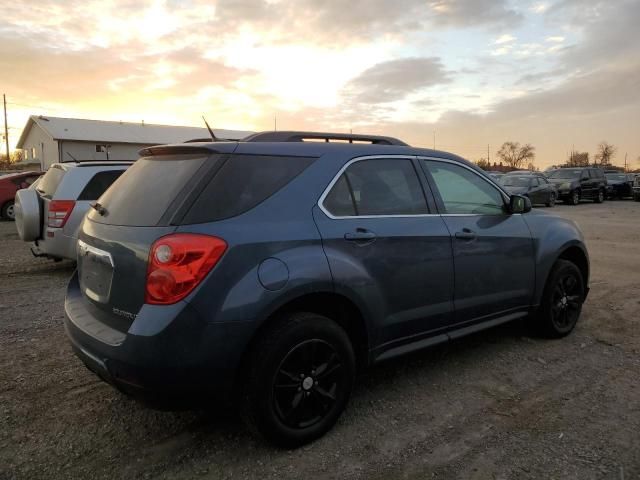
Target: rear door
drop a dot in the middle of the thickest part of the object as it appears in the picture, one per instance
(493, 250)
(386, 248)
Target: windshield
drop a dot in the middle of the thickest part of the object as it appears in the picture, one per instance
(616, 177)
(514, 181)
(566, 173)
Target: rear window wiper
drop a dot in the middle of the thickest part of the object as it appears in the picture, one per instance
(99, 208)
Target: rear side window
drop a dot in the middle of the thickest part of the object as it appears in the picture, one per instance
(377, 187)
(146, 190)
(243, 182)
(99, 184)
(50, 181)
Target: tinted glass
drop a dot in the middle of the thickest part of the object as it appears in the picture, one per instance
(463, 191)
(386, 187)
(513, 181)
(243, 182)
(144, 192)
(543, 181)
(565, 173)
(99, 184)
(339, 201)
(616, 177)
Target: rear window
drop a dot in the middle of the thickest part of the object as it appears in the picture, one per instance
(99, 184)
(50, 181)
(243, 182)
(146, 190)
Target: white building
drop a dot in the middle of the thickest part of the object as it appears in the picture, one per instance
(46, 140)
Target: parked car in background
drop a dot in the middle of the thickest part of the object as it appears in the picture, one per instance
(619, 184)
(49, 214)
(264, 273)
(495, 174)
(575, 184)
(10, 183)
(636, 188)
(532, 185)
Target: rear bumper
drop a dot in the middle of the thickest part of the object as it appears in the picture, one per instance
(57, 246)
(169, 354)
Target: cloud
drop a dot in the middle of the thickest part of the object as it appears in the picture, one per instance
(506, 38)
(394, 80)
(555, 39)
(471, 13)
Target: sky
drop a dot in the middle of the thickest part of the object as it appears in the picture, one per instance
(465, 74)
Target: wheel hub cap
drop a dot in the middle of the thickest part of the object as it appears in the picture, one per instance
(307, 383)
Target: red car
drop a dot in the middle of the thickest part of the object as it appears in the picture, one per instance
(9, 185)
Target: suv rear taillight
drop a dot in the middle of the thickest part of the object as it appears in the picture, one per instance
(178, 263)
(59, 211)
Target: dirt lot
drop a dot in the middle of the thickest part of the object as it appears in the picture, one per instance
(500, 404)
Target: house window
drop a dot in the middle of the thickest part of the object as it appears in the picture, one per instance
(33, 153)
(26, 154)
(100, 147)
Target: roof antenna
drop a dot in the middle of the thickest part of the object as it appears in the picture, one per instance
(213, 135)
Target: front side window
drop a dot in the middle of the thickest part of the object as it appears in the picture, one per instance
(463, 191)
(377, 187)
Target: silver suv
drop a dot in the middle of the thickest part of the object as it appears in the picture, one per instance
(49, 214)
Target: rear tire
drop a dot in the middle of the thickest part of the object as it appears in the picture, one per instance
(561, 301)
(298, 379)
(8, 211)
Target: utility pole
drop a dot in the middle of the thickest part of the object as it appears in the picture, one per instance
(6, 127)
(625, 162)
(488, 157)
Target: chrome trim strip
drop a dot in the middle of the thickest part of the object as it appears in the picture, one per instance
(488, 179)
(84, 248)
(326, 191)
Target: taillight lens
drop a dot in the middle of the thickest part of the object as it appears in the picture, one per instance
(59, 211)
(177, 264)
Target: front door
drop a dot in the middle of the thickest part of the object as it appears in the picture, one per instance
(493, 250)
(385, 248)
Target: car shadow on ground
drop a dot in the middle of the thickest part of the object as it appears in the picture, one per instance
(206, 428)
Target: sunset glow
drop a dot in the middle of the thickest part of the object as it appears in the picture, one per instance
(560, 74)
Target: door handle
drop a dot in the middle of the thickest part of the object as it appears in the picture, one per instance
(360, 235)
(466, 234)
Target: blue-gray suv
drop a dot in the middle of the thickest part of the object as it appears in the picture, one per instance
(269, 271)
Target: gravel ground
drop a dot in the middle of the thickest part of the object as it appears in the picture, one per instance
(499, 404)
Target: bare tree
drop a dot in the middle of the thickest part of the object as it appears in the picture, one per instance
(483, 164)
(578, 159)
(606, 152)
(515, 155)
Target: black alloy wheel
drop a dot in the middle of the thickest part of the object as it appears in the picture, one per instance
(307, 383)
(299, 379)
(562, 300)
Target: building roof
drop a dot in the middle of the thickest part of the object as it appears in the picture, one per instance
(84, 130)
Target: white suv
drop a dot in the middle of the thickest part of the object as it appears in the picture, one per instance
(49, 214)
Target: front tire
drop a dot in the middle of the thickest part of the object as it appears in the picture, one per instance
(574, 198)
(299, 380)
(552, 200)
(561, 301)
(600, 197)
(8, 211)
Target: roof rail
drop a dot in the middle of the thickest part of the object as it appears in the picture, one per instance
(286, 136)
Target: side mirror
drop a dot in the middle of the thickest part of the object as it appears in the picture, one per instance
(519, 204)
